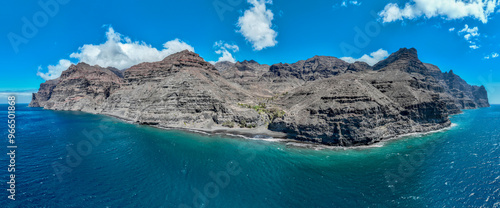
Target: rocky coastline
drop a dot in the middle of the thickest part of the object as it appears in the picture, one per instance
(320, 100)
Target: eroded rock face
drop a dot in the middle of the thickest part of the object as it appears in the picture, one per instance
(311, 69)
(467, 96)
(247, 74)
(157, 71)
(81, 88)
(44, 93)
(322, 99)
(280, 78)
(181, 91)
(342, 110)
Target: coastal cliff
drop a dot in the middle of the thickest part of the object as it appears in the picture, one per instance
(322, 99)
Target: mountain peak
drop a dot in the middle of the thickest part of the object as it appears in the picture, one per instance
(183, 55)
(249, 62)
(411, 51)
(404, 59)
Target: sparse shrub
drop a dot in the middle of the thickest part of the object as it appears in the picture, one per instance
(243, 124)
(228, 124)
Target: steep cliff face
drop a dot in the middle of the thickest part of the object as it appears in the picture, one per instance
(181, 91)
(345, 110)
(311, 69)
(280, 78)
(44, 93)
(450, 88)
(405, 60)
(286, 77)
(321, 99)
(467, 96)
(157, 71)
(359, 66)
(480, 96)
(80, 87)
(247, 74)
(406, 80)
(459, 94)
(349, 109)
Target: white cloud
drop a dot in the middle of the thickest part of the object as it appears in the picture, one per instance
(118, 51)
(345, 3)
(469, 32)
(470, 35)
(447, 9)
(492, 56)
(452, 29)
(225, 49)
(371, 59)
(474, 47)
(54, 71)
(255, 25)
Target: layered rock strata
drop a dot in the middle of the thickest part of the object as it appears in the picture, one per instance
(322, 99)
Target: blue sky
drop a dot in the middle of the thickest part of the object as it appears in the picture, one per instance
(235, 30)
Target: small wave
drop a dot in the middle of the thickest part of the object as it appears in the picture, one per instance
(199, 132)
(235, 135)
(428, 132)
(295, 143)
(327, 147)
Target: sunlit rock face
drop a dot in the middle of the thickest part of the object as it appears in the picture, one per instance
(322, 99)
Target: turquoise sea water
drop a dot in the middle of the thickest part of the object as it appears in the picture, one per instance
(118, 164)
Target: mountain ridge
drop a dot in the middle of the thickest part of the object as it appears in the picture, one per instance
(321, 99)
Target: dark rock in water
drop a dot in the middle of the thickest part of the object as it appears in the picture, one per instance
(321, 99)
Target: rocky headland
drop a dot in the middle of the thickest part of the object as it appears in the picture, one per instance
(322, 99)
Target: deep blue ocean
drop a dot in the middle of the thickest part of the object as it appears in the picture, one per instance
(73, 159)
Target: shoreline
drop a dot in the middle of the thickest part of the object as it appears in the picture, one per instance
(264, 134)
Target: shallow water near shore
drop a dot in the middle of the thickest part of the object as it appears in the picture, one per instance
(137, 166)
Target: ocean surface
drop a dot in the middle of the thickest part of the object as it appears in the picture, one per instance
(117, 164)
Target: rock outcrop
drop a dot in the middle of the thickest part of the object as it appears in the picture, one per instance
(247, 74)
(80, 88)
(322, 99)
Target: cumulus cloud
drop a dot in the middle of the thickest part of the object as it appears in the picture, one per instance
(225, 49)
(118, 51)
(371, 59)
(492, 56)
(256, 25)
(54, 71)
(451, 29)
(447, 9)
